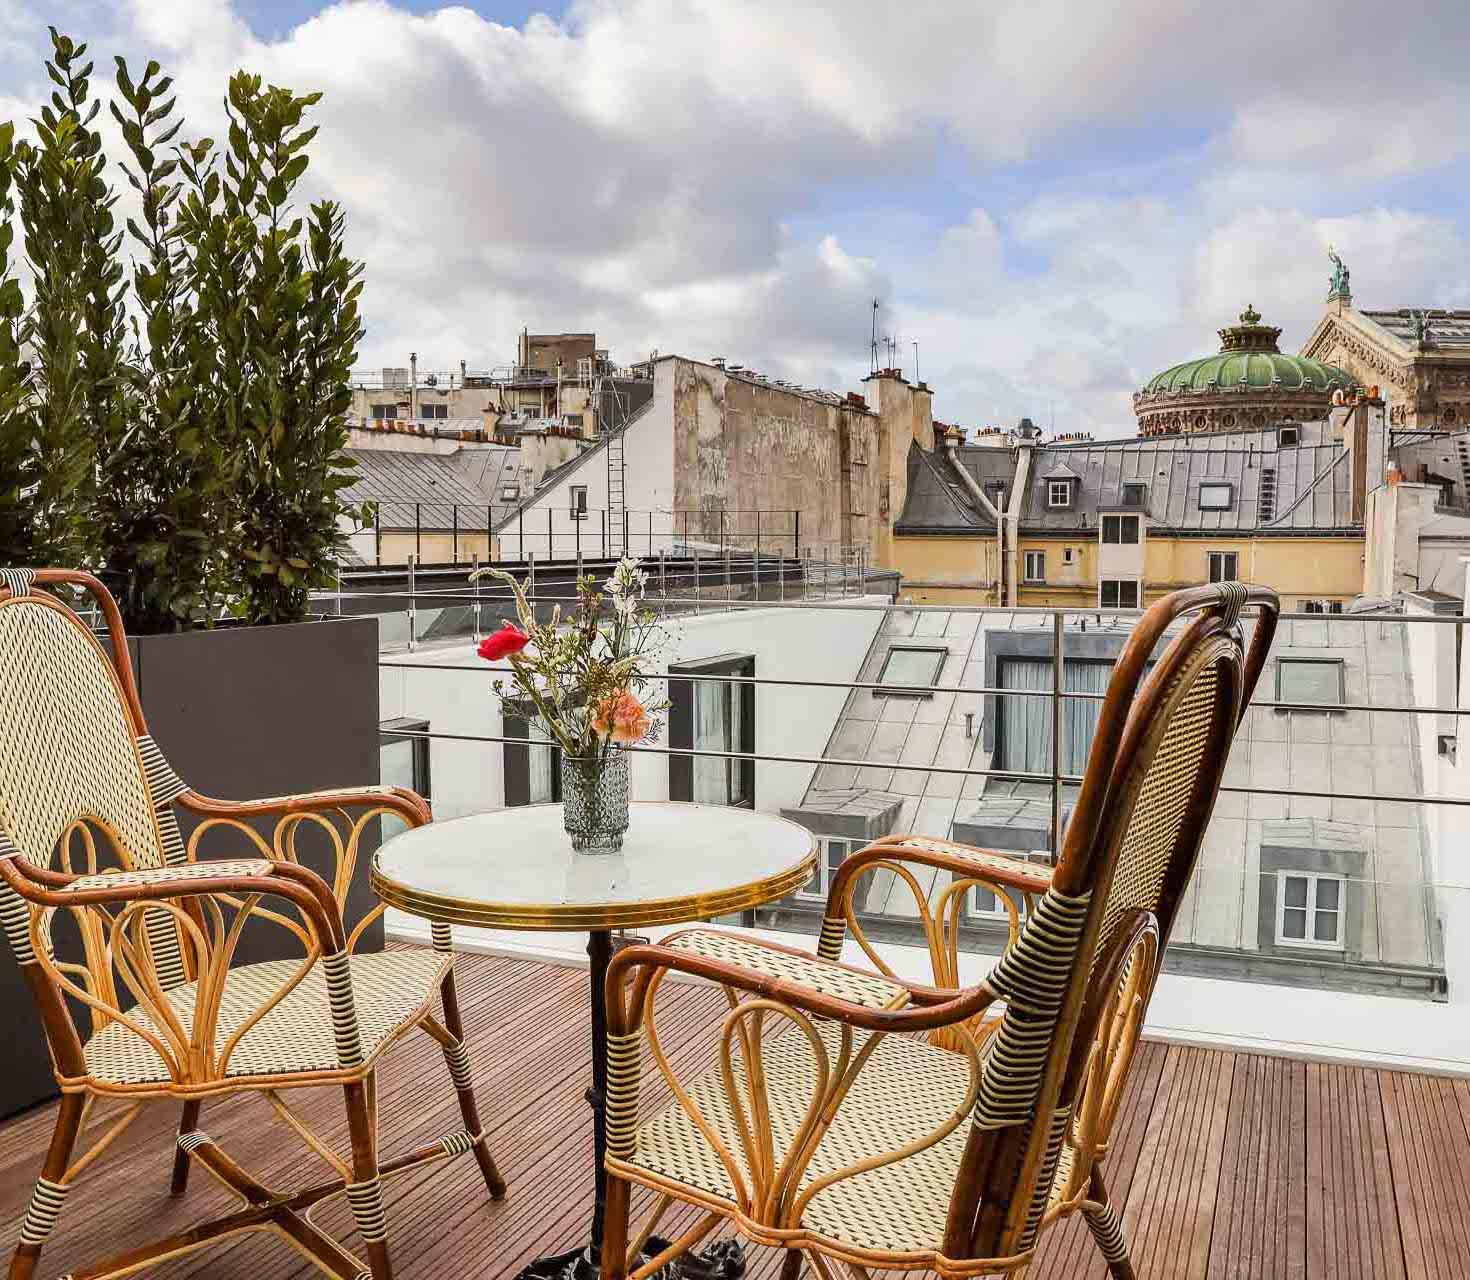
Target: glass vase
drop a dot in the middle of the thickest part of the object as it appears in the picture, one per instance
(594, 797)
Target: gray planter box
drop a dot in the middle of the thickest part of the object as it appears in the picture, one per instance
(241, 713)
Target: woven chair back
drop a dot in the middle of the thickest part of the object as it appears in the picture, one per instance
(1157, 758)
(68, 750)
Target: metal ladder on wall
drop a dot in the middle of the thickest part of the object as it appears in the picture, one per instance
(616, 510)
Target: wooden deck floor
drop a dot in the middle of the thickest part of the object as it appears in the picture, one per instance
(1233, 1165)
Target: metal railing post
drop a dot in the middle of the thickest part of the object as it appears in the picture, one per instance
(418, 531)
(521, 535)
(1058, 667)
(826, 572)
(663, 573)
(413, 616)
(454, 523)
(650, 531)
(781, 574)
(627, 546)
(531, 577)
(377, 537)
(475, 582)
(604, 533)
(696, 578)
(729, 582)
(550, 536)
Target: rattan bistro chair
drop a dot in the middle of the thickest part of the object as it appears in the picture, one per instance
(821, 1132)
(82, 782)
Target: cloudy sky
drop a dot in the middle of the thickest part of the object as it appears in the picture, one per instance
(1053, 199)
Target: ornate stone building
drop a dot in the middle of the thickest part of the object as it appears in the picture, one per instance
(1418, 358)
(1249, 383)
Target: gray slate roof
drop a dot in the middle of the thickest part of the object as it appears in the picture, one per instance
(938, 501)
(1311, 481)
(1446, 328)
(438, 489)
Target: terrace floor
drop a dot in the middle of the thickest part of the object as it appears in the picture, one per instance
(1232, 1164)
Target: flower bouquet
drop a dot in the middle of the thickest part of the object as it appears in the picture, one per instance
(582, 676)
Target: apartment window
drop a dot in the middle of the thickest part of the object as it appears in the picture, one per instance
(579, 501)
(532, 762)
(1224, 566)
(572, 419)
(1309, 910)
(1288, 436)
(1120, 529)
(1118, 593)
(1023, 725)
(1036, 566)
(1216, 497)
(1066, 555)
(912, 666)
(510, 493)
(433, 411)
(381, 411)
(1059, 493)
(831, 850)
(713, 715)
(1334, 606)
(404, 762)
(1134, 494)
(1310, 680)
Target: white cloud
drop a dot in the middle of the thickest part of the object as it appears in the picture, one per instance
(695, 175)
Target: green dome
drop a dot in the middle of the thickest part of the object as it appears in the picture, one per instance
(1249, 358)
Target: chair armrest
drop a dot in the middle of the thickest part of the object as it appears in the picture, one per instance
(847, 982)
(242, 877)
(787, 983)
(408, 805)
(990, 865)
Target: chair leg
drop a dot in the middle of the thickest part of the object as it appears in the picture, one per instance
(615, 1231)
(458, 1060)
(365, 1192)
(1107, 1229)
(188, 1122)
(50, 1190)
(791, 1267)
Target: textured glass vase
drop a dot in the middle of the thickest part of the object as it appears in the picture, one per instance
(594, 798)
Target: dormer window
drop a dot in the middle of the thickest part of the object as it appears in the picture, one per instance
(1059, 493)
(1134, 494)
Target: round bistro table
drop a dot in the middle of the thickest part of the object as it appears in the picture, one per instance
(515, 869)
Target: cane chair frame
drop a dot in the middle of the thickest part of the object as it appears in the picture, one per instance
(156, 928)
(1039, 1051)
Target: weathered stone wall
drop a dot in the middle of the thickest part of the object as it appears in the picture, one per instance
(742, 447)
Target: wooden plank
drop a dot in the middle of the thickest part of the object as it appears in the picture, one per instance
(1227, 1166)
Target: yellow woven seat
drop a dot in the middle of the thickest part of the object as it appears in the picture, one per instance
(907, 1089)
(390, 989)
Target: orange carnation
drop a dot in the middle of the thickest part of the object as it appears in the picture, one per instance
(622, 718)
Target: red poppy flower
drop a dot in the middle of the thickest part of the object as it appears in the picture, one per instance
(501, 644)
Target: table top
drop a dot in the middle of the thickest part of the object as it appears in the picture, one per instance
(516, 869)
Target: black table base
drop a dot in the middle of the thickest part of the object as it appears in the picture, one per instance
(723, 1260)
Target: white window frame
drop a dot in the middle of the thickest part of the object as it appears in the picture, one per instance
(1137, 587)
(1222, 576)
(1055, 487)
(997, 911)
(1313, 879)
(577, 494)
(826, 846)
(1040, 562)
(1066, 555)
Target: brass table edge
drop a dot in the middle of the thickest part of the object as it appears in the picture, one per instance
(549, 917)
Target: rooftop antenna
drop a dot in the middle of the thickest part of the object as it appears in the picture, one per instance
(873, 340)
(916, 363)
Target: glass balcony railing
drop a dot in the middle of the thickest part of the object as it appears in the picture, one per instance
(1324, 910)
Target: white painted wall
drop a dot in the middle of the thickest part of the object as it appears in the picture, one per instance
(450, 688)
(546, 528)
